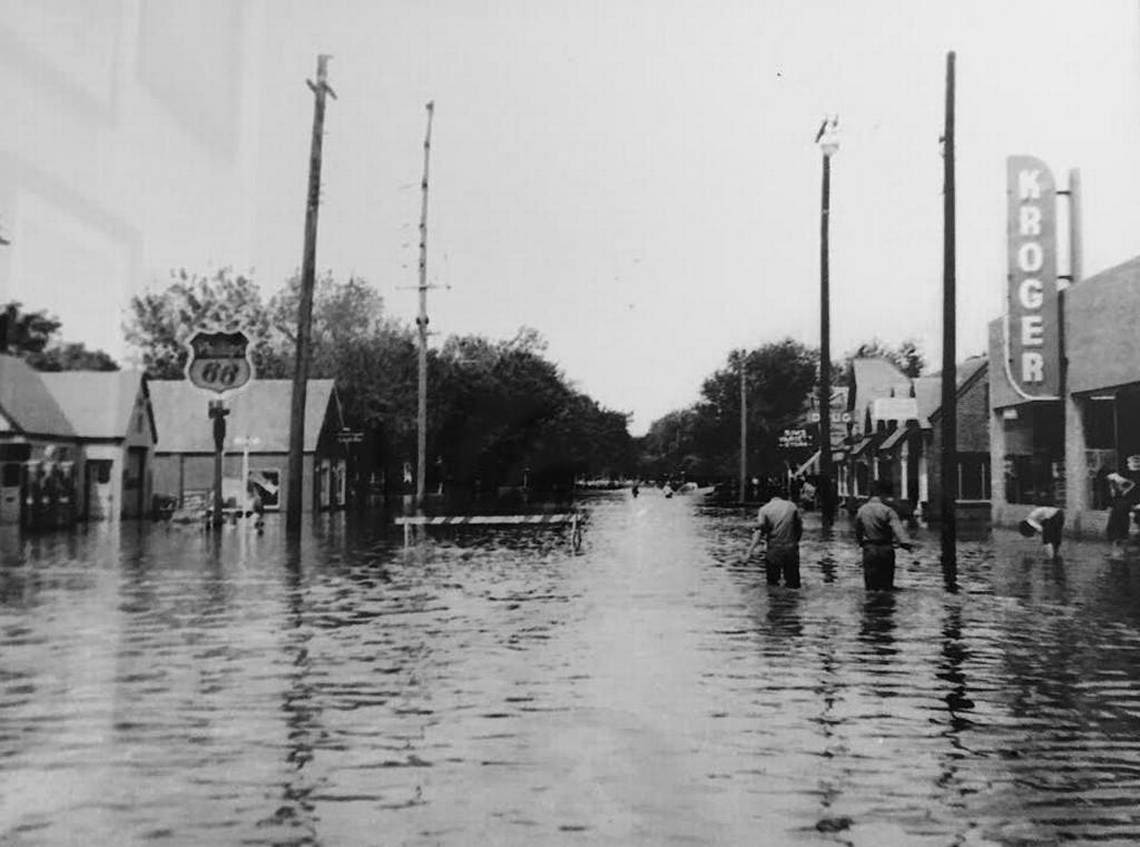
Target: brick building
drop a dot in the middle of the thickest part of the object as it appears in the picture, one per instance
(1058, 450)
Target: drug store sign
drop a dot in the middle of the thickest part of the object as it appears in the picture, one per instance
(1033, 357)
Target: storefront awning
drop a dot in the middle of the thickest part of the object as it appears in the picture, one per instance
(862, 445)
(894, 439)
(811, 466)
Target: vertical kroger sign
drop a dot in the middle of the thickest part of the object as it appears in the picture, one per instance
(1032, 334)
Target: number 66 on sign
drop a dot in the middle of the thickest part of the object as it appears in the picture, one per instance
(219, 362)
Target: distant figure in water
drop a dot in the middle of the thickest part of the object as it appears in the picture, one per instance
(635, 490)
(1049, 521)
(667, 490)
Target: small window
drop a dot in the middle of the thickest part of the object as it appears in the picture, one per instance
(10, 477)
(100, 469)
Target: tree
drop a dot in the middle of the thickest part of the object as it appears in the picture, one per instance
(704, 440)
(496, 409)
(72, 357)
(22, 333)
(32, 337)
(500, 411)
(159, 324)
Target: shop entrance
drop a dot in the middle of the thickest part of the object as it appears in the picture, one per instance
(1127, 426)
(12, 458)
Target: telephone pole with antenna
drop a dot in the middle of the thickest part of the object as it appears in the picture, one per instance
(422, 325)
(305, 307)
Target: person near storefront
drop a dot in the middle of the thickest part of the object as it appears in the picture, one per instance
(1049, 521)
(1122, 498)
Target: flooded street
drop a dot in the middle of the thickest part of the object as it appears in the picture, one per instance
(164, 685)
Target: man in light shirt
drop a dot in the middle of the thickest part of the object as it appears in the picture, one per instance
(878, 531)
(780, 524)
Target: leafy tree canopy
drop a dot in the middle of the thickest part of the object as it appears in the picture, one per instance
(32, 336)
(704, 440)
(24, 332)
(496, 409)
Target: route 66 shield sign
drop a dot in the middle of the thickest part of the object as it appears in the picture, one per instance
(219, 361)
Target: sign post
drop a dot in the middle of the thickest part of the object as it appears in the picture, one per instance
(219, 364)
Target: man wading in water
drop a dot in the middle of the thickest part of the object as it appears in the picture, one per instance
(877, 530)
(780, 523)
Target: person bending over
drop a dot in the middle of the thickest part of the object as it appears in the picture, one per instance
(1049, 521)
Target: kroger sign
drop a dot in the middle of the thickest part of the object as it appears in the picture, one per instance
(1034, 356)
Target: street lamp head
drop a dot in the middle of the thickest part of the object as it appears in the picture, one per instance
(828, 136)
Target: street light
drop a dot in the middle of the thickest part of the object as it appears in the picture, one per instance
(828, 140)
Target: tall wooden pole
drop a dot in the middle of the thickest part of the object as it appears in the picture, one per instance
(825, 471)
(949, 456)
(422, 325)
(743, 429)
(218, 412)
(305, 307)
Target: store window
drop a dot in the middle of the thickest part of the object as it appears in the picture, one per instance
(268, 483)
(973, 476)
(1031, 479)
(10, 475)
(1100, 423)
(1035, 453)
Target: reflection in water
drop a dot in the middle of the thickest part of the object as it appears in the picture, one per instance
(783, 617)
(296, 812)
(877, 623)
(162, 683)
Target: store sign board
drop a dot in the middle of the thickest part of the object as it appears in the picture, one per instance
(1033, 334)
(796, 438)
(836, 417)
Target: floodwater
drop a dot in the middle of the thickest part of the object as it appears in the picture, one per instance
(164, 685)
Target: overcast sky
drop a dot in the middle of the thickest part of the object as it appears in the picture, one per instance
(637, 179)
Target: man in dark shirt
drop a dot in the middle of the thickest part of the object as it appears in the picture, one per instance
(779, 522)
(877, 530)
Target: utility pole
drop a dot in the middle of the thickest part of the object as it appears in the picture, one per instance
(305, 307)
(949, 346)
(827, 139)
(743, 428)
(422, 325)
(218, 412)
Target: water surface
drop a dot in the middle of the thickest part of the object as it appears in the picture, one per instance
(166, 685)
